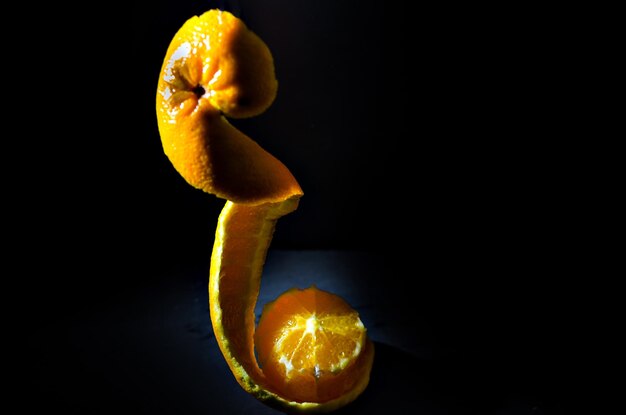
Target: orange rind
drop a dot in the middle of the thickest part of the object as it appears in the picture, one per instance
(215, 67)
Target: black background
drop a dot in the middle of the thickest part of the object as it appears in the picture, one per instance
(416, 135)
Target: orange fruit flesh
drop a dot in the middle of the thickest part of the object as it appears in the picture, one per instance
(309, 343)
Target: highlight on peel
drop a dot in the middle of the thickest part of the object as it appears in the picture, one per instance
(216, 67)
(314, 352)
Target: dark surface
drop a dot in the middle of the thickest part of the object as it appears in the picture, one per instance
(438, 176)
(153, 351)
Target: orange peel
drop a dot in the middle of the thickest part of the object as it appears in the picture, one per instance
(216, 67)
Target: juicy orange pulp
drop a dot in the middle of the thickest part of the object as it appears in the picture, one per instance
(308, 343)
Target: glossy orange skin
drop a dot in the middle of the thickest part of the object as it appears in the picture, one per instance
(216, 67)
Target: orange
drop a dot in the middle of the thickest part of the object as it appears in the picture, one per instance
(216, 67)
(308, 344)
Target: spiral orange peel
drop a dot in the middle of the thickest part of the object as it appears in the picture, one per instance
(216, 67)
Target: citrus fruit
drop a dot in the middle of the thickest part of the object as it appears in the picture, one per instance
(214, 68)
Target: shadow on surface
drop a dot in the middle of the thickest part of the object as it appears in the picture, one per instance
(403, 382)
(399, 381)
